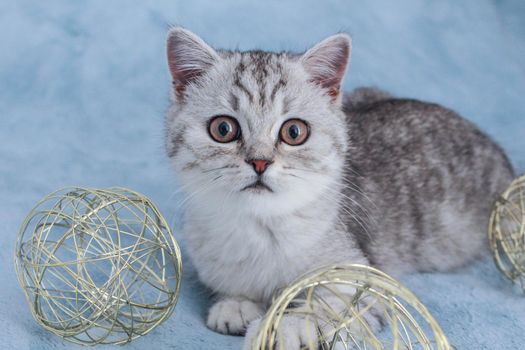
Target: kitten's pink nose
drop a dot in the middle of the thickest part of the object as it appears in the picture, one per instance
(259, 165)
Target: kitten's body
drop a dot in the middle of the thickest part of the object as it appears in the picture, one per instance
(431, 178)
(400, 184)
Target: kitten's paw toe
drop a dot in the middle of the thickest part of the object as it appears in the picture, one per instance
(232, 316)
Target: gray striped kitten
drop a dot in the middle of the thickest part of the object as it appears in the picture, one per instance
(285, 174)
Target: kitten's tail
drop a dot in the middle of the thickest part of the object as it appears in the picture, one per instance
(364, 96)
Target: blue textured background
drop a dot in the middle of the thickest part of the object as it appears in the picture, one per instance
(84, 86)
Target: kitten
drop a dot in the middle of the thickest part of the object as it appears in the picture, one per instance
(285, 174)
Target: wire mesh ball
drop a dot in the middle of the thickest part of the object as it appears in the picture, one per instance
(507, 232)
(98, 266)
(335, 302)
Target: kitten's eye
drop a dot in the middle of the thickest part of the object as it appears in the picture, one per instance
(294, 132)
(224, 129)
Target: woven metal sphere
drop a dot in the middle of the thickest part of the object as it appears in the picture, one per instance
(338, 317)
(507, 232)
(98, 266)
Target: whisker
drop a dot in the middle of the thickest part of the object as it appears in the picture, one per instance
(348, 184)
(361, 207)
(336, 196)
(203, 188)
(227, 166)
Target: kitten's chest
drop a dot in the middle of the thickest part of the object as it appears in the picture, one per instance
(243, 255)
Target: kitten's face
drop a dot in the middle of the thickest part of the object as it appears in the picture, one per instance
(260, 131)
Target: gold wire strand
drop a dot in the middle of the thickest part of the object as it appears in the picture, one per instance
(507, 232)
(411, 324)
(98, 266)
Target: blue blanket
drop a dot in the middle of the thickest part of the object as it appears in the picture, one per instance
(84, 86)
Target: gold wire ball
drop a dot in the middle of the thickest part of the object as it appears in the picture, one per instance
(507, 232)
(340, 318)
(98, 266)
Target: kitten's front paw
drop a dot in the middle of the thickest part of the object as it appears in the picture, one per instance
(294, 333)
(232, 315)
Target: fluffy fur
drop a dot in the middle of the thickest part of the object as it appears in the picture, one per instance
(400, 184)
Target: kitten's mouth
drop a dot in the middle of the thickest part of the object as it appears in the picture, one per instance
(257, 186)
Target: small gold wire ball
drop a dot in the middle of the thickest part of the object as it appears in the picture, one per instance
(335, 301)
(98, 266)
(507, 232)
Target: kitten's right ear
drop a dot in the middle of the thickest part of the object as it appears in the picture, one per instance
(188, 57)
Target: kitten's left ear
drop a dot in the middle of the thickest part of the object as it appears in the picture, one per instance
(326, 62)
